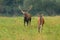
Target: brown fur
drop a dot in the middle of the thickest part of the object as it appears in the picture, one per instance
(40, 23)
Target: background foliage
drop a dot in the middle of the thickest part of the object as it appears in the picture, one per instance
(47, 7)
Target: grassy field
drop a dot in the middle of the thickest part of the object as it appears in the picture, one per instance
(12, 28)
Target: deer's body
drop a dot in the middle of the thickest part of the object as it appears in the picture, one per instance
(40, 23)
(27, 18)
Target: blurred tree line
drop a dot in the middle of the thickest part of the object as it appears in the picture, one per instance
(47, 7)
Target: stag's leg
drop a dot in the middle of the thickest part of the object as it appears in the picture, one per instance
(27, 22)
(30, 21)
(24, 22)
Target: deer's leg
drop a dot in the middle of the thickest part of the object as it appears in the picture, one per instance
(42, 26)
(39, 28)
(30, 21)
(24, 22)
(27, 22)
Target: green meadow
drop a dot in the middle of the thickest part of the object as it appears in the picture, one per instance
(12, 28)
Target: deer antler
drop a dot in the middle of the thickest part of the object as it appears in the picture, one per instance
(28, 9)
(21, 10)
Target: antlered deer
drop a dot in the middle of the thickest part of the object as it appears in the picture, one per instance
(27, 18)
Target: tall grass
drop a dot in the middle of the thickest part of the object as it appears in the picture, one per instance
(12, 28)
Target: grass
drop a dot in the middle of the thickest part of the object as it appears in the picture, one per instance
(12, 28)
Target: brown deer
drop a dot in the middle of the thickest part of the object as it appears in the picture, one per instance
(40, 22)
(27, 17)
